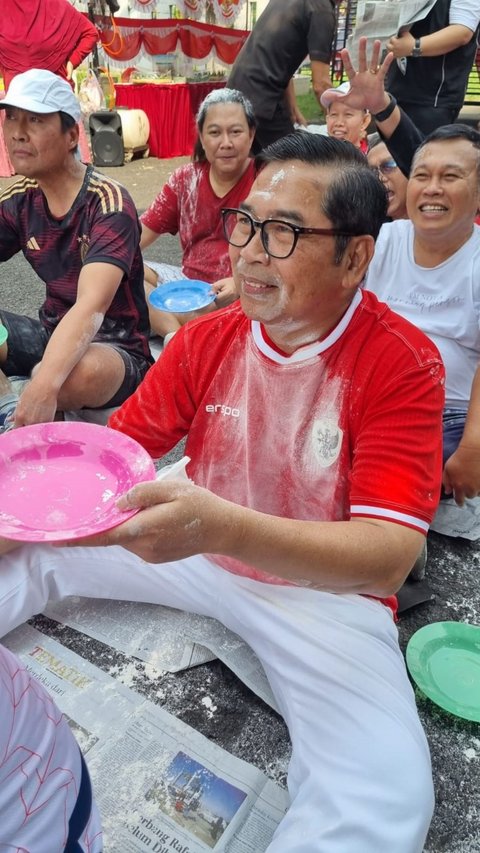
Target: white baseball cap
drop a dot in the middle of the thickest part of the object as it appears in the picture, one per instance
(326, 98)
(41, 91)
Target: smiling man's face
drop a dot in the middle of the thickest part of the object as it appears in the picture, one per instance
(443, 190)
(301, 297)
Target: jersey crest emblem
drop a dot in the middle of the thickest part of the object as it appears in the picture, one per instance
(327, 441)
(84, 245)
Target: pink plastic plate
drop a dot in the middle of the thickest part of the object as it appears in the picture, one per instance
(60, 481)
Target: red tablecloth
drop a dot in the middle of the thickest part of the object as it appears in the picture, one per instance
(171, 110)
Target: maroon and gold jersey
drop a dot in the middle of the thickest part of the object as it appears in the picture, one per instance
(101, 227)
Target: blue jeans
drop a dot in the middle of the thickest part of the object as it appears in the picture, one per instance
(453, 426)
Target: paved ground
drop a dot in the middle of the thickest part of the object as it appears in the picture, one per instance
(241, 722)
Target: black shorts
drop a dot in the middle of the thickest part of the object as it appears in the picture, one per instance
(27, 340)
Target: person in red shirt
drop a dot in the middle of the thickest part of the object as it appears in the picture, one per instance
(49, 34)
(313, 414)
(191, 201)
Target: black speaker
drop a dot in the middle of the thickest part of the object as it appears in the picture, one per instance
(106, 138)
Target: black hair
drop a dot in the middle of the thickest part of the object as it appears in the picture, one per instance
(220, 96)
(453, 131)
(66, 123)
(355, 200)
(448, 132)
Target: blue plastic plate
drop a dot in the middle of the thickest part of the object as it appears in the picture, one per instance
(181, 296)
(3, 334)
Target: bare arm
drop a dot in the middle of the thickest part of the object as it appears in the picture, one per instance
(87, 38)
(435, 44)
(368, 90)
(148, 237)
(320, 77)
(367, 84)
(461, 475)
(179, 519)
(97, 285)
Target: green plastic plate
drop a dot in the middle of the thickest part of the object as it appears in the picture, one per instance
(3, 334)
(444, 661)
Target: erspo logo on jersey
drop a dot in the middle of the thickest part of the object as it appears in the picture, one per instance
(222, 409)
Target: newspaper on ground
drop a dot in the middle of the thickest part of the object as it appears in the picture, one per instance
(458, 521)
(160, 785)
(169, 639)
(381, 19)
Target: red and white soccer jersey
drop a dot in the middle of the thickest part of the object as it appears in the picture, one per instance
(347, 426)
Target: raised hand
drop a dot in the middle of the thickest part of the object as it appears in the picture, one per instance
(367, 83)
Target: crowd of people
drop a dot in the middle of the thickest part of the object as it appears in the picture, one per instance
(345, 336)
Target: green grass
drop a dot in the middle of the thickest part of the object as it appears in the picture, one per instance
(310, 108)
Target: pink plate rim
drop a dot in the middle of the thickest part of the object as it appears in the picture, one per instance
(137, 464)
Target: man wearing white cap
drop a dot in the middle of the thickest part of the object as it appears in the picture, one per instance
(80, 233)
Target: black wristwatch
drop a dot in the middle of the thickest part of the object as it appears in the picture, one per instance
(417, 49)
(387, 112)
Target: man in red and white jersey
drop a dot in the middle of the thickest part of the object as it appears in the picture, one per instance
(313, 415)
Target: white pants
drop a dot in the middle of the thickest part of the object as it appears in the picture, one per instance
(360, 777)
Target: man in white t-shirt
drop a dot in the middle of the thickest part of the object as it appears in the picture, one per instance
(316, 466)
(428, 270)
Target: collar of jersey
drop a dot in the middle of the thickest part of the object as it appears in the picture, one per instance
(268, 348)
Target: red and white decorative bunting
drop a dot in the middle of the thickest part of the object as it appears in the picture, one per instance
(142, 5)
(227, 11)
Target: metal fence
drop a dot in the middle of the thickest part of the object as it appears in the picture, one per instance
(346, 14)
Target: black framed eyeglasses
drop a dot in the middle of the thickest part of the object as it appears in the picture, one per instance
(278, 238)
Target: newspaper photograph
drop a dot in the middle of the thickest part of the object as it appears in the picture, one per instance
(160, 785)
(168, 639)
(381, 19)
